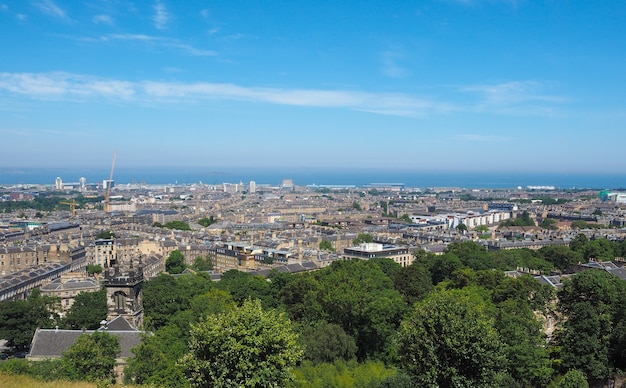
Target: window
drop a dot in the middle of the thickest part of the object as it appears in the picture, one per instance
(120, 301)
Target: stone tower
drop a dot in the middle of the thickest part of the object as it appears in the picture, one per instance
(124, 293)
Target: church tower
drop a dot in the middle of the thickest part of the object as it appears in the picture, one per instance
(124, 293)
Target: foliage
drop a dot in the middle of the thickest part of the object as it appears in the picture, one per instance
(562, 257)
(326, 245)
(243, 286)
(591, 300)
(580, 224)
(327, 342)
(201, 263)
(207, 221)
(155, 360)
(166, 298)
(523, 220)
(449, 340)
(574, 379)
(92, 357)
(343, 374)
(177, 225)
(406, 218)
(94, 269)
(20, 318)
(549, 223)
(175, 262)
(363, 238)
(413, 282)
(105, 234)
(356, 206)
(87, 311)
(246, 346)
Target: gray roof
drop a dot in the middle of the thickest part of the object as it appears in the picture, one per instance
(51, 343)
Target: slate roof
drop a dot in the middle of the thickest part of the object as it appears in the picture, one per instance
(51, 343)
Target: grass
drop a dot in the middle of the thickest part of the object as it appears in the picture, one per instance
(21, 381)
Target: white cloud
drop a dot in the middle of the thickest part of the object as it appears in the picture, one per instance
(50, 8)
(513, 98)
(160, 41)
(61, 86)
(161, 15)
(103, 19)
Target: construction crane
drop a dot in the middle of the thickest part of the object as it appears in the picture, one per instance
(107, 195)
(72, 204)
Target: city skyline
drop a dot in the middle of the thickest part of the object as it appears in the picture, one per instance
(467, 85)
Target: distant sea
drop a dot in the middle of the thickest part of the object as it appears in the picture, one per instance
(302, 177)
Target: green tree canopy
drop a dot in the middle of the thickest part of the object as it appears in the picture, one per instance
(88, 310)
(591, 300)
(326, 245)
(207, 221)
(202, 263)
(175, 262)
(246, 346)
(363, 238)
(105, 234)
(92, 357)
(449, 340)
(328, 342)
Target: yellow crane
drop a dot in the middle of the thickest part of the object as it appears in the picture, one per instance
(107, 195)
(72, 204)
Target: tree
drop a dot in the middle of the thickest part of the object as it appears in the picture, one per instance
(449, 340)
(177, 225)
(87, 311)
(105, 234)
(328, 342)
(92, 357)
(574, 379)
(549, 223)
(20, 318)
(591, 301)
(246, 346)
(578, 242)
(461, 228)
(326, 245)
(406, 218)
(93, 269)
(414, 282)
(363, 238)
(356, 206)
(562, 257)
(175, 262)
(202, 264)
(207, 221)
(155, 360)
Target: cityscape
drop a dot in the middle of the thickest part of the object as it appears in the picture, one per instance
(312, 194)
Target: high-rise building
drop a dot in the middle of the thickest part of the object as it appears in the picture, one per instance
(83, 182)
(58, 183)
(252, 187)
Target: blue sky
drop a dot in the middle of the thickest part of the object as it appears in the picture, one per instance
(467, 85)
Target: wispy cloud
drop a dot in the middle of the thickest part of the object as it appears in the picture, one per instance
(50, 8)
(103, 19)
(161, 15)
(157, 41)
(391, 68)
(515, 97)
(61, 86)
